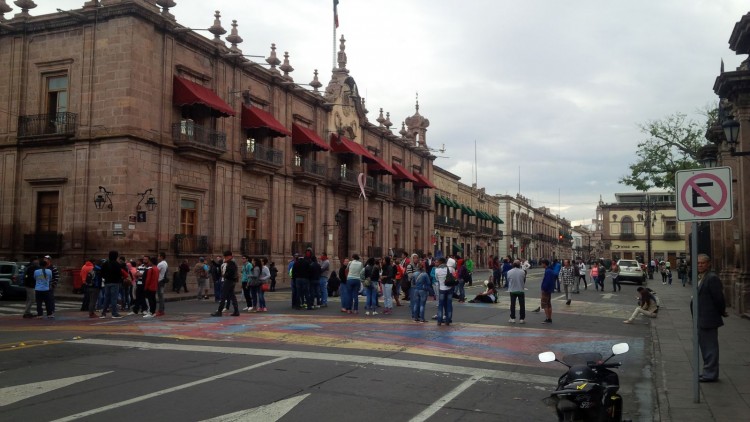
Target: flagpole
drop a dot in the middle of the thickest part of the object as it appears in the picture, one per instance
(335, 25)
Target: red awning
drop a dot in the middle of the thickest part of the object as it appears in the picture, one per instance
(342, 144)
(185, 92)
(423, 182)
(255, 118)
(304, 136)
(403, 174)
(379, 165)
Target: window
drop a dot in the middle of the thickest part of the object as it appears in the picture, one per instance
(396, 238)
(188, 217)
(57, 94)
(47, 209)
(251, 224)
(626, 225)
(299, 228)
(670, 225)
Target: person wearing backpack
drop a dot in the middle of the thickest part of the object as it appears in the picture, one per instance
(88, 266)
(201, 276)
(29, 282)
(94, 288)
(42, 291)
(445, 296)
(139, 304)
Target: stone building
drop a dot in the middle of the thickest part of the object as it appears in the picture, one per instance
(730, 240)
(533, 233)
(465, 222)
(124, 130)
(642, 225)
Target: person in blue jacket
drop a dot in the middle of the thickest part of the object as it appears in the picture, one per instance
(548, 287)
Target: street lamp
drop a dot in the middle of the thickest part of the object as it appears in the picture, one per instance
(150, 201)
(731, 129)
(101, 197)
(647, 206)
(707, 155)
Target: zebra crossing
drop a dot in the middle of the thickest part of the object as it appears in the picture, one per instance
(16, 308)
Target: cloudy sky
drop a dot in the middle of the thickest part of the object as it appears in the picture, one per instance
(549, 89)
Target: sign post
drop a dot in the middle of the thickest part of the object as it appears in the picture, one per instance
(702, 195)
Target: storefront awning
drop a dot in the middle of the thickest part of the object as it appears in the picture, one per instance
(467, 210)
(422, 182)
(439, 199)
(498, 220)
(188, 93)
(453, 203)
(402, 173)
(255, 118)
(344, 145)
(304, 136)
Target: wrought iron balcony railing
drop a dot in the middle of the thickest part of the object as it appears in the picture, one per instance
(185, 244)
(62, 124)
(262, 154)
(255, 247)
(187, 133)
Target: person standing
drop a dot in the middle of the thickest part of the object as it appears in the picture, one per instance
(614, 272)
(201, 276)
(313, 287)
(254, 285)
(301, 276)
(215, 272)
(140, 305)
(85, 270)
(112, 275)
(469, 263)
(230, 276)
(42, 290)
(29, 283)
(265, 278)
(581, 277)
(548, 287)
(594, 273)
(150, 284)
(370, 286)
(422, 285)
(567, 277)
(507, 266)
(663, 271)
(711, 309)
(247, 273)
(445, 294)
(325, 274)
(274, 273)
(461, 275)
(601, 274)
(183, 271)
(387, 274)
(353, 283)
(55, 276)
(516, 286)
(163, 267)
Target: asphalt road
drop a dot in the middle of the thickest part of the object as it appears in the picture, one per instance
(312, 365)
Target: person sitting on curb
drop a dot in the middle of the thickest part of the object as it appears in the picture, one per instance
(647, 305)
(488, 295)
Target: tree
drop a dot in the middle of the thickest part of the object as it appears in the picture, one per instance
(673, 143)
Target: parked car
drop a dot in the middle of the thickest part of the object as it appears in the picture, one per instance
(631, 270)
(11, 280)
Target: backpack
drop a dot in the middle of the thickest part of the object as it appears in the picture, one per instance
(450, 279)
(94, 277)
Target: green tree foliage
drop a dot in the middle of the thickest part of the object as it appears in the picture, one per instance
(672, 144)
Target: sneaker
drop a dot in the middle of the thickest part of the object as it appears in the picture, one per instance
(547, 321)
(246, 308)
(131, 313)
(51, 316)
(217, 314)
(116, 316)
(102, 316)
(367, 313)
(264, 309)
(627, 321)
(512, 320)
(148, 315)
(521, 321)
(374, 313)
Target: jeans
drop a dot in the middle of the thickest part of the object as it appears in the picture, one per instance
(344, 294)
(568, 288)
(387, 296)
(248, 297)
(445, 306)
(30, 297)
(218, 285)
(616, 284)
(371, 293)
(420, 298)
(93, 298)
(48, 300)
(460, 291)
(228, 296)
(160, 295)
(323, 297)
(303, 285)
(313, 292)
(578, 283)
(413, 303)
(110, 298)
(139, 305)
(353, 285)
(521, 304)
(258, 299)
(295, 296)
(126, 294)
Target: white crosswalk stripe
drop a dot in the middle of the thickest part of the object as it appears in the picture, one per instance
(16, 308)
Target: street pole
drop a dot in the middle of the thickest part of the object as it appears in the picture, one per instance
(694, 271)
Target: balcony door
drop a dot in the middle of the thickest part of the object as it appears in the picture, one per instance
(343, 235)
(56, 103)
(188, 223)
(47, 212)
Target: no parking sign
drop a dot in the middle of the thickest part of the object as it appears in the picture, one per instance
(704, 194)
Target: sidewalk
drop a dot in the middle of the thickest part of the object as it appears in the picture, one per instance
(726, 400)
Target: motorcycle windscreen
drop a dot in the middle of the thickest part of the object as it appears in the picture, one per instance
(582, 358)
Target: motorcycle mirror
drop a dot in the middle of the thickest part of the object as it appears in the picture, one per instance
(620, 348)
(547, 357)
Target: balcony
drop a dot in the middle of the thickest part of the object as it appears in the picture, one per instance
(255, 247)
(309, 171)
(43, 243)
(404, 196)
(301, 247)
(498, 235)
(37, 128)
(469, 228)
(441, 220)
(423, 202)
(627, 236)
(672, 236)
(197, 141)
(262, 159)
(344, 179)
(186, 244)
(454, 222)
(486, 230)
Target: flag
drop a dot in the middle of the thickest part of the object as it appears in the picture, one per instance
(335, 13)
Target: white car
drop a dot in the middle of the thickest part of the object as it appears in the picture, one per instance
(630, 270)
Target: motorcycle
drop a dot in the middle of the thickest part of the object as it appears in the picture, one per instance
(588, 390)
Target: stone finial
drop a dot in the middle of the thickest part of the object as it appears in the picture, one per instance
(234, 38)
(165, 5)
(315, 83)
(286, 67)
(217, 29)
(25, 6)
(4, 8)
(403, 131)
(387, 122)
(342, 55)
(380, 118)
(272, 59)
(364, 108)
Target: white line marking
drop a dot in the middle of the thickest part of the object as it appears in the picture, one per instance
(269, 412)
(362, 360)
(10, 395)
(442, 401)
(165, 391)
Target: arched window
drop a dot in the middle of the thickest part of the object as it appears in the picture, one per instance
(626, 225)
